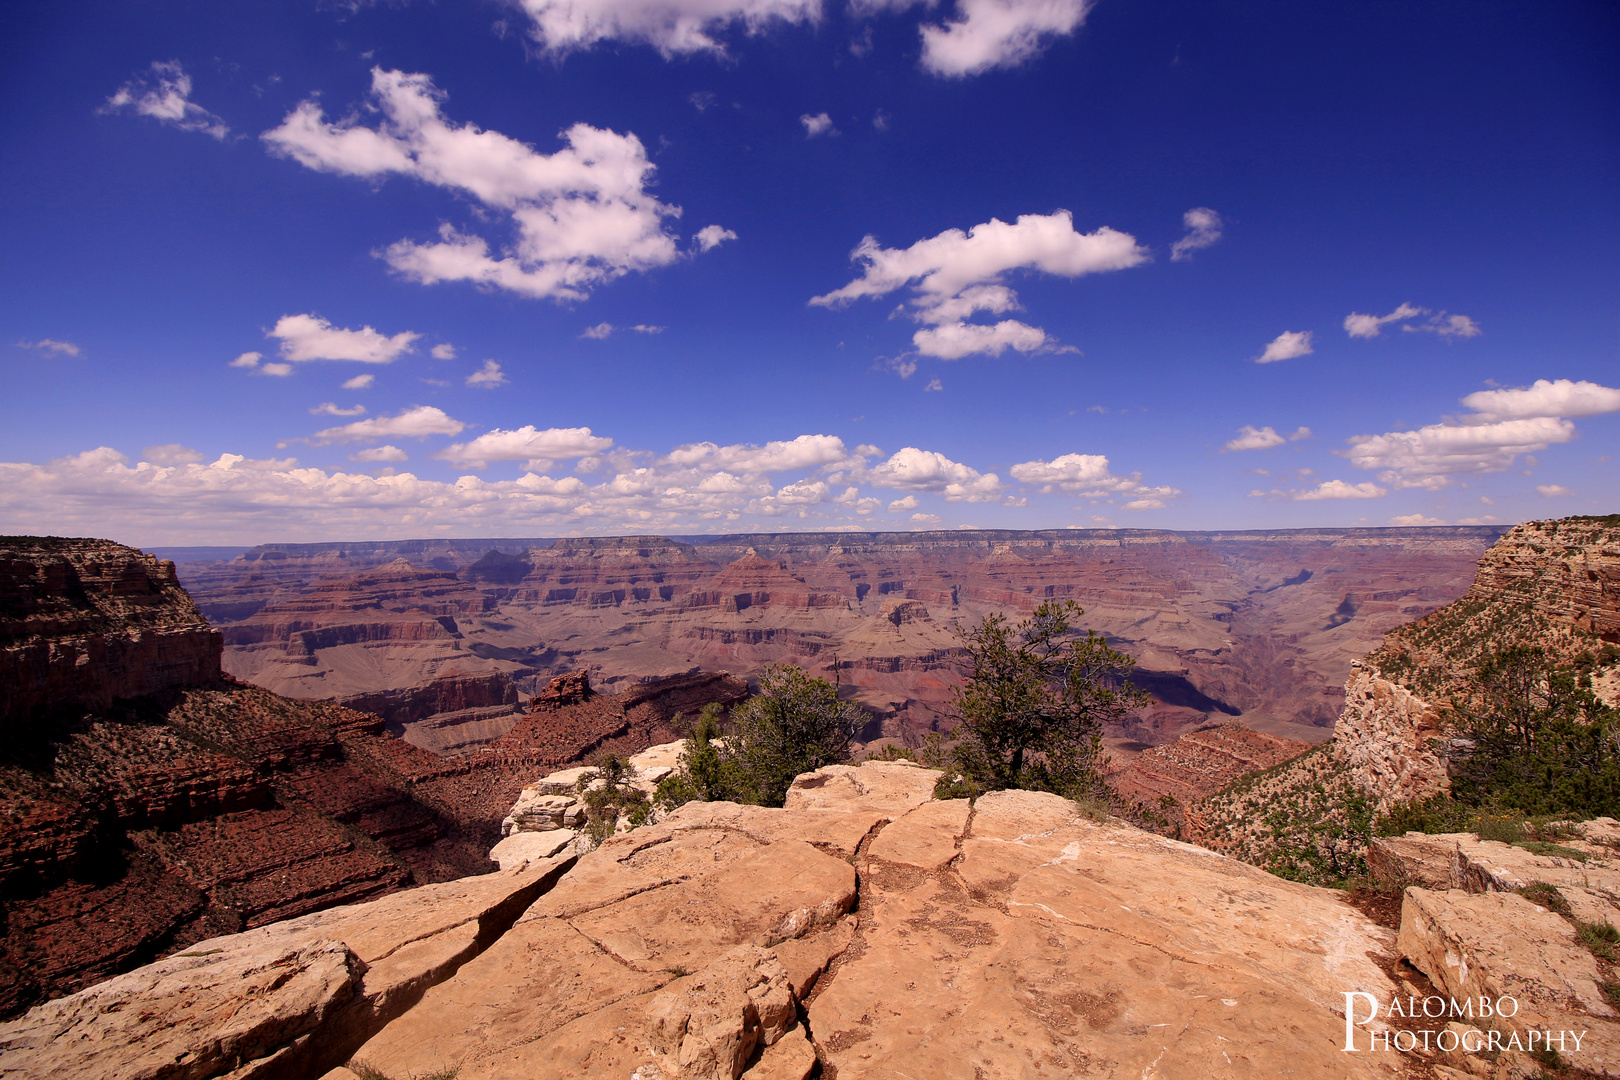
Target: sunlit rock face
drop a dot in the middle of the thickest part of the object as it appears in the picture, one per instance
(1257, 625)
(866, 927)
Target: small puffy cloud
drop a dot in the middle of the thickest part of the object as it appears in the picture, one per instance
(988, 34)
(911, 469)
(1338, 489)
(489, 376)
(1545, 397)
(276, 367)
(171, 454)
(712, 236)
(1553, 491)
(249, 360)
(1203, 229)
(927, 519)
(901, 505)
(417, 422)
(671, 26)
(164, 94)
(804, 452)
(310, 337)
(934, 384)
(1251, 438)
(953, 341)
(1420, 519)
(1286, 346)
(582, 216)
(1442, 323)
(50, 345)
(527, 443)
(1447, 326)
(1358, 325)
(327, 408)
(360, 382)
(443, 351)
(957, 274)
(603, 331)
(819, 124)
(1089, 476)
(383, 453)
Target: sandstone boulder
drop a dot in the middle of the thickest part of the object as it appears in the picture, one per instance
(284, 1001)
(1501, 947)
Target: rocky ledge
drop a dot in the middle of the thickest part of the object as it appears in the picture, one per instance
(84, 622)
(866, 929)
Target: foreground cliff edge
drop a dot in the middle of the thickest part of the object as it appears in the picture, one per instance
(865, 928)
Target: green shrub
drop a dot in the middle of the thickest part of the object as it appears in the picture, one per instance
(1599, 937)
(795, 724)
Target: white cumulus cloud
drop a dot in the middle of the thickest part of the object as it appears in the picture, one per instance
(804, 452)
(956, 274)
(327, 408)
(1546, 397)
(712, 236)
(383, 453)
(1203, 229)
(911, 469)
(1358, 325)
(164, 94)
(1286, 346)
(582, 216)
(443, 351)
(671, 26)
(1089, 476)
(1251, 438)
(988, 34)
(819, 124)
(359, 382)
(1552, 491)
(538, 447)
(417, 422)
(489, 376)
(310, 337)
(1430, 456)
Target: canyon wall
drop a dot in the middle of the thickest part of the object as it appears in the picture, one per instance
(148, 801)
(83, 622)
(1257, 625)
(1554, 585)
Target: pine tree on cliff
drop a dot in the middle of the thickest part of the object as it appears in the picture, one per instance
(1033, 706)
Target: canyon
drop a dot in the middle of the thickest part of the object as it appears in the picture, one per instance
(866, 928)
(150, 801)
(444, 638)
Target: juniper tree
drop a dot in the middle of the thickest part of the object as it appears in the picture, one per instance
(1032, 707)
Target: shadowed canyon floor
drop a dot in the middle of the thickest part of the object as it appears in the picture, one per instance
(1261, 625)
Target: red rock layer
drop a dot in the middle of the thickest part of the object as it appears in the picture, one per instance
(83, 622)
(1199, 764)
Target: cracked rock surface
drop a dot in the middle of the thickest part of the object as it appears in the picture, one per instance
(865, 930)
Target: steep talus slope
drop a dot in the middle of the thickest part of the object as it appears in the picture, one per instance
(1262, 625)
(1551, 584)
(865, 930)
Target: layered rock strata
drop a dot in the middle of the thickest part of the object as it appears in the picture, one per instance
(1258, 625)
(84, 622)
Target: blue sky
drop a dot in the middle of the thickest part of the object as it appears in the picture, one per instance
(308, 270)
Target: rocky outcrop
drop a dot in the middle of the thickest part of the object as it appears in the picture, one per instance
(1261, 625)
(866, 929)
(84, 622)
(453, 714)
(1197, 765)
(1554, 585)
